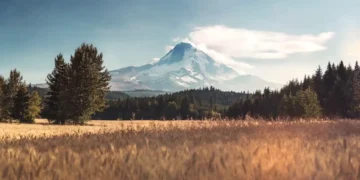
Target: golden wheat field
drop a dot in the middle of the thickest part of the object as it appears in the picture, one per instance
(182, 150)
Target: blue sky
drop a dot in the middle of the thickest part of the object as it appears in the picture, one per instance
(276, 40)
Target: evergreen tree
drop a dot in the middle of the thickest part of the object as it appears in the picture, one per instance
(309, 104)
(247, 107)
(193, 100)
(235, 110)
(211, 102)
(349, 72)
(56, 100)
(160, 107)
(171, 110)
(12, 85)
(337, 95)
(342, 72)
(350, 107)
(185, 108)
(21, 106)
(88, 83)
(306, 82)
(318, 85)
(285, 106)
(34, 106)
(101, 78)
(356, 91)
(329, 82)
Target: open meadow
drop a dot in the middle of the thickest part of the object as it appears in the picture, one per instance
(181, 150)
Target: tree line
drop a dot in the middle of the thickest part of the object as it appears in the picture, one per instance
(76, 91)
(16, 102)
(334, 93)
(207, 102)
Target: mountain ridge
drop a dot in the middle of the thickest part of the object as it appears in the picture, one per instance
(184, 67)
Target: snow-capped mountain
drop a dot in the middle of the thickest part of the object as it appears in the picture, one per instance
(184, 67)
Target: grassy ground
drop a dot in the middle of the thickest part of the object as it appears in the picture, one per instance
(182, 150)
(43, 129)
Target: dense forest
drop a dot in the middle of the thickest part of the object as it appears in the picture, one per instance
(334, 93)
(79, 90)
(189, 104)
(195, 103)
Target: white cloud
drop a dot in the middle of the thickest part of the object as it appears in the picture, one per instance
(244, 43)
(240, 67)
(225, 44)
(177, 39)
(154, 60)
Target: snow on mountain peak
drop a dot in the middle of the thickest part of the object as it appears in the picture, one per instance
(177, 53)
(183, 67)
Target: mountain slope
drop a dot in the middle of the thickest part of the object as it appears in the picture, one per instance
(184, 67)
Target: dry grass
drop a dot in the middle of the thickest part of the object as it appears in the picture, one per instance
(182, 150)
(43, 129)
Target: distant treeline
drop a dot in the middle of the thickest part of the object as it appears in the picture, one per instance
(195, 103)
(334, 93)
(188, 104)
(110, 95)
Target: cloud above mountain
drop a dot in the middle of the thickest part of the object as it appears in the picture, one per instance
(239, 67)
(228, 45)
(154, 60)
(245, 43)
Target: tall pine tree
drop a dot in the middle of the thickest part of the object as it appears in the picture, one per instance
(356, 91)
(338, 92)
(21, 105)
(329, 82)
(12, 86)
(88, 83)
(318, 85)
(56, 99)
